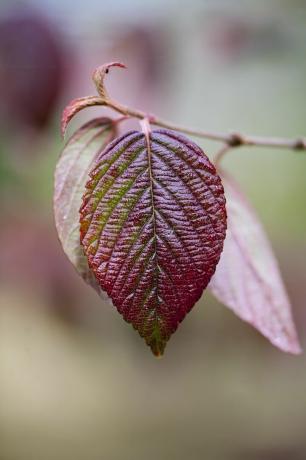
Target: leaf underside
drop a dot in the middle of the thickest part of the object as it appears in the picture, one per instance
(247, 278)
(71, 175)
(153, 223)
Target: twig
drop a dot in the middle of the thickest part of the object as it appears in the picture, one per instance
(230, 140)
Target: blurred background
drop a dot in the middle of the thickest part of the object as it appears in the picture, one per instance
(76, 382)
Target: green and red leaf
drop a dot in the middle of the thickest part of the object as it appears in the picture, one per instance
(153, 222)
(71, 175)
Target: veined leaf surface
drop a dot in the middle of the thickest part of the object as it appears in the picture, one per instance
(153, 223)
(71, 175)
(247, 278)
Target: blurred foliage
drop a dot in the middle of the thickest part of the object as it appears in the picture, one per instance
(75, 381)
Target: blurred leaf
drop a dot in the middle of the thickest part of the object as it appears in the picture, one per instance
(152, 224)
(71, 175)
(33, 71)
(247, 278)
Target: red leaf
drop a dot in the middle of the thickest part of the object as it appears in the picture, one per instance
(247, 278)
(153, 222)
(75, 106)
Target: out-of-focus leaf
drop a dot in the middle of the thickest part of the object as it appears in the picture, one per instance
(33, 68)
(247, 278)
(71, 175)
(153, 223)
(75, 106)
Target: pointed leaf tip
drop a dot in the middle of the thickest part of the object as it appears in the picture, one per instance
(112, 64)
(153, 223)
(98, 76)
(247, 278)
(117, 64)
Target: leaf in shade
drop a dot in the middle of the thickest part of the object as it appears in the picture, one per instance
(153, 223)
(247, 278)
(71, 175)
(75, 106)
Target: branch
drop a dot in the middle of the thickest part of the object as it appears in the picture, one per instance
(230, 140)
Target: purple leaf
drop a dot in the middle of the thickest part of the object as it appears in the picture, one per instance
(153, 223)
(247, 278)
(33, 67)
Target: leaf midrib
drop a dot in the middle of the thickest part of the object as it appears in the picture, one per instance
(155, 257)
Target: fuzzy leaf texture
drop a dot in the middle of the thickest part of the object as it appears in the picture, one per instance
(153, 223)
(71, 175)
(247, 278)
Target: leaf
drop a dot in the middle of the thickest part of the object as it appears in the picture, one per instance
(247, 278)
(71, 175)
(75, 106)
(153, 222)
